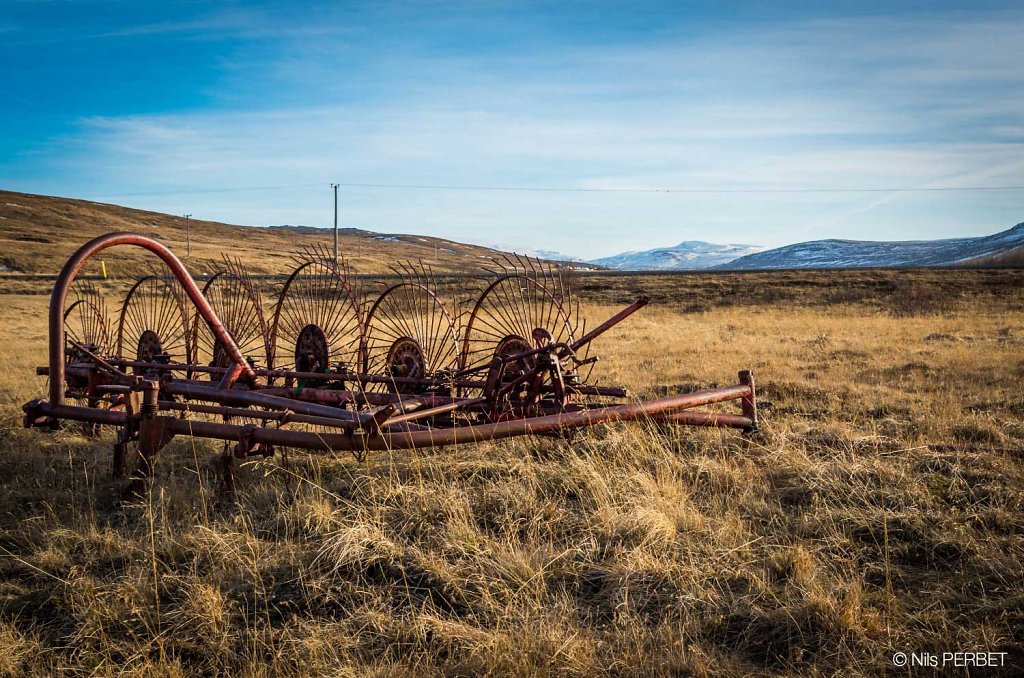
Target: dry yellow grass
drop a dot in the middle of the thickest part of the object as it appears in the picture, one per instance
(879, 510)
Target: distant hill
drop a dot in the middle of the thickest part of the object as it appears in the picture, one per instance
(868, 254)
(538, 253)
(688, 255)
(1010, 259)
(38, 233)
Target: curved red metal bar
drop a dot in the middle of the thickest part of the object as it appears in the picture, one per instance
(67, 275)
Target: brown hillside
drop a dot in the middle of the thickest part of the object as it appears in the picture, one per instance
(38, 233)
(1010, 259)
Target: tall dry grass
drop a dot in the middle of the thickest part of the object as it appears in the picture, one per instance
(879, 510)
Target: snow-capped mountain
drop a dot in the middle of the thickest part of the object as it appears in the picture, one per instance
(537, 253)
(866, 254)
(692, 254)
(552, 255)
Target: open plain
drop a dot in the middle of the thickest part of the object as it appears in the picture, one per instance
(880, 509)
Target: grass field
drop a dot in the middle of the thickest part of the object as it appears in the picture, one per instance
(881, 509)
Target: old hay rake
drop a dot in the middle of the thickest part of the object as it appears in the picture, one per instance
(327, 366)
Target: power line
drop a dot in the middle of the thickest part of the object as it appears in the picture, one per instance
(553, 189)
(235, 189)
(564, 189)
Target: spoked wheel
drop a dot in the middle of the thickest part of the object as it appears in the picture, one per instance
(410, 334)
(85, 332)
(154, 326)
(528, 306)
(318, 323)
(239, 307)
(85, 323)
(237, 303)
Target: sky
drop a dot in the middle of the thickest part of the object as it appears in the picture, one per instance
(752, 113)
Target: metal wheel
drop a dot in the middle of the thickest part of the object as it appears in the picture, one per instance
(154, 324)
(528, 305)
(85, 331)
(85, 322)
(318, 323)
(237, 303)
(410, 333)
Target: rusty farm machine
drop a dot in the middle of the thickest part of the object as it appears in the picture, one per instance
(325, 365)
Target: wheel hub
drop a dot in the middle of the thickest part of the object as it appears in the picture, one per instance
(406, 360)
(312, 352)
(512, 345)
(149, 347)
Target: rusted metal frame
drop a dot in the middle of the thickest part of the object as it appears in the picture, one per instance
(372, 419)
(111, 389)
(37, 409)
(691, 418)
(280, 416)
(580, 389)
(344, 396)
(562, 351)
(567, 349)
(434, 411)
(240, 397)
(746, 421)
(660, 409)
(749, 402)
(110, 417)
(153, 434)
(101, 365)
(435, 404)
(67, 275)
(528, 376)
(231, 376)
(508, 275)
(283, 374)
(388, 440)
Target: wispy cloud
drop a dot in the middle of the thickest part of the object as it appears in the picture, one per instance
(843, 102)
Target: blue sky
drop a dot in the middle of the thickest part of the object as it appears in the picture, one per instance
(166, 106)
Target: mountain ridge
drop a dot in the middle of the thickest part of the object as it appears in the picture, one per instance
(687, 255)
(844, 253)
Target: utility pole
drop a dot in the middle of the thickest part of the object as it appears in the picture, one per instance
(335, 187)
(188, 236)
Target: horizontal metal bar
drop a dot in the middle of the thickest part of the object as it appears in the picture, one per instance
(390, 440)
(434, 411)
(77, 413)
(238, 397)
(281, 416)
(84, 369)
(690, 418)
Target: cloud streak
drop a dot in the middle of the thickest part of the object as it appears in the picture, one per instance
(853, 102)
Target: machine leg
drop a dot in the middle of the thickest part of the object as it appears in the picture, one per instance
(749, 403)
(120, 466)
(226, 490)
(153, 435)
(142, 475)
